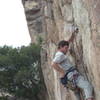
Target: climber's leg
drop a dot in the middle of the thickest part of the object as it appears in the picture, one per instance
(86, 87)
(77, 94)
(90, 99)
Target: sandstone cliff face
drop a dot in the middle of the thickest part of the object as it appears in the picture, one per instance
(57, 16)
(34, 18)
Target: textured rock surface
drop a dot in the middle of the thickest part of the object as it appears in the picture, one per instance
(34, 18)
(55, 19)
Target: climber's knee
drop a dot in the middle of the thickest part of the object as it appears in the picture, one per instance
(88, 91)
(86, 87)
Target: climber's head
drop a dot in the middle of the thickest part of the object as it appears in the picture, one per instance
(63, 46)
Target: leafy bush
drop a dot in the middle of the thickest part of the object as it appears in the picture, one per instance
(20, 71)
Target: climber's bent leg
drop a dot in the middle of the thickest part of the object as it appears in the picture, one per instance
(77, 94)
(86, 87)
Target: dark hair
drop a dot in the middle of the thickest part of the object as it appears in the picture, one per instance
(63, 43)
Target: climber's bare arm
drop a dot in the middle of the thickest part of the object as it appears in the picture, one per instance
(73, 35)
(71, 38)
(57, 68)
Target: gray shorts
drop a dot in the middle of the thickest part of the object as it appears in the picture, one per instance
(85, 86)
(82, 84)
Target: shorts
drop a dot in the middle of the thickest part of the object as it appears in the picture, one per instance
(85, 86)
(81, 83)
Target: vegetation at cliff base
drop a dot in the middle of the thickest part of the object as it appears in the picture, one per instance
(20, 72)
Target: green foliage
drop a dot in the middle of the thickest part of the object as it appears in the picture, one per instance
(20, 71)
(3, 98)
(40, 40)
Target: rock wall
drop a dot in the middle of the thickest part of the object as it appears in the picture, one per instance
(34, 17)
(57, 18)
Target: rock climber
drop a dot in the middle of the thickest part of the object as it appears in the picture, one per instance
(68, 72)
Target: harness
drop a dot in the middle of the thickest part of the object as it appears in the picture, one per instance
(67, 83)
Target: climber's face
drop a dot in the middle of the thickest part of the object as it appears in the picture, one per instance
(64, 49)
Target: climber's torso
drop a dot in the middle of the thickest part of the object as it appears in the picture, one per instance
(64, 63)
(62, 60)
